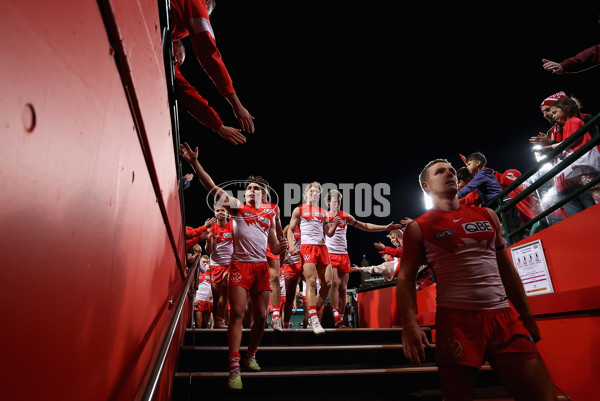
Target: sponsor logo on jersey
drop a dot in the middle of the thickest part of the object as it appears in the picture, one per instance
(477, 227)
(228, 235)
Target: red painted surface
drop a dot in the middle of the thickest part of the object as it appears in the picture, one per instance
(569, 318)
(87, 262)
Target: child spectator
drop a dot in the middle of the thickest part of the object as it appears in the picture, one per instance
(488, 187)
(566, 111)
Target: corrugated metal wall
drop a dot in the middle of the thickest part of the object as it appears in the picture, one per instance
(90, 213)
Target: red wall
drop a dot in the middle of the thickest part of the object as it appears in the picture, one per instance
(90, 211)
(569, 318)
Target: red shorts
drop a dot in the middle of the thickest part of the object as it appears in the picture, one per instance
(470, 337)
(251, 276)
(203, 306)
(341, 262)
(218, 273)
(292, 271)
(316, 254)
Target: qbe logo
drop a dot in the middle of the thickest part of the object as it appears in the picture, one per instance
(478, 227)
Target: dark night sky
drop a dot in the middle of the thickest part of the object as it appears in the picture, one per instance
(369, 92)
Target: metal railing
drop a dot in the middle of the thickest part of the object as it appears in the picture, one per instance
(546, 177)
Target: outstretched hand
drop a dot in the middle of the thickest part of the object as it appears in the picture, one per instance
(187, 153)
(552, 66)
(233, 135)
(392, 226)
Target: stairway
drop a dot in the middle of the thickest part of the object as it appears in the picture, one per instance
(342, 364)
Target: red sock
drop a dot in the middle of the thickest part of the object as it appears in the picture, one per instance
(234, 360)
(276, 311)
(312, 311)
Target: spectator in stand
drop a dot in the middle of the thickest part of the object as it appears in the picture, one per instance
(546, 143)
(197, 106)
(203, 302)
(582, 61)
(528, 207)
(566, 112)
(197, 235)
(193, 253)
(485, 182)
(388, 269)
(191, 18)
(482, 309)
(464, 176)
(395, 237)
(186, 180)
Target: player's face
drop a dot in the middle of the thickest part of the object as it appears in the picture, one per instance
(442, 178)
(221, 213)
(253, 193)
(313, 194)
(334, 203)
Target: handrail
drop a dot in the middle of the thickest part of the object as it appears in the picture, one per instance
(503, 206)
(158, 366)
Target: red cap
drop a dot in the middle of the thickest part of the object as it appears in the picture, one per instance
(549, 101)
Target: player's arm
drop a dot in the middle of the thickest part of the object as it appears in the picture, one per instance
(414, 339)
(512, 282)
(221, 197)
(372, 227)
(278, 229)
(329, 226)
(294, 221)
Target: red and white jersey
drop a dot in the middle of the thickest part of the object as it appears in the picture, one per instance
(337, 243)
(460, 247)
(251, 234)
(312, 219)
(270, 209)
(295, 259)
(204, 291)
(223, 248)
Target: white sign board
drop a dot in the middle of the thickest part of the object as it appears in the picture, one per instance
(531, 264)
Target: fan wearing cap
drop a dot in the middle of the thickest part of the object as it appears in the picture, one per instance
(554, 134)
(549, 141)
